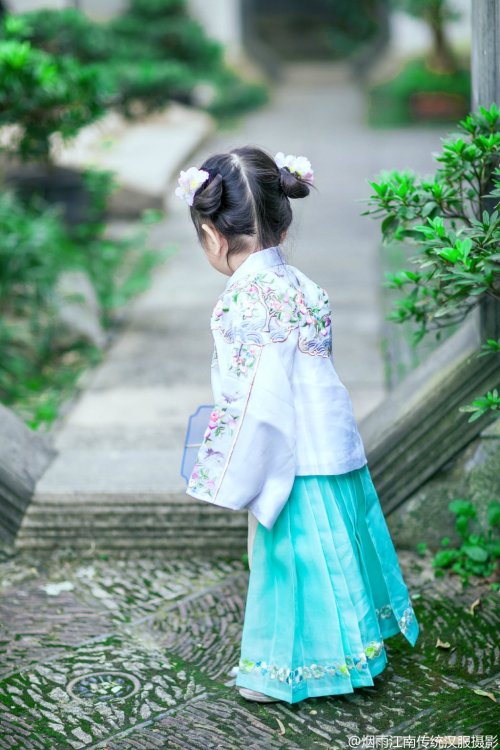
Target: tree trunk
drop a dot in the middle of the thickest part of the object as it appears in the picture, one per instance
(442, 58)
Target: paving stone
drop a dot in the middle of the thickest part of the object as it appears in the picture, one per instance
(474, 648)
(405, 700)
(78, 719)
(35, 626)
(17, 734)
(211, 723)
(142, 679)
(206, 630)
(135, 588)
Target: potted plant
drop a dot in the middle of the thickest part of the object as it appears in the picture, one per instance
(434, 87)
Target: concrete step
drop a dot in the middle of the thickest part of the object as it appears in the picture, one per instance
(176, 524)
(126, 498)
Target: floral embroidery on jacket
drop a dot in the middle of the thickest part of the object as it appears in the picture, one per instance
(264, 310)
(295, 677)
(255, 310)
(243, 359)
(222, 422)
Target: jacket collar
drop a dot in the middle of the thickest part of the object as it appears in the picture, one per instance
(258, 261)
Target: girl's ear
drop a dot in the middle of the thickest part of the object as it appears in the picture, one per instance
(215, 241)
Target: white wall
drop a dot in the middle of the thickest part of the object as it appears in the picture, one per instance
(220, 18)
(96, 9)
(222, 21)
(24, 6)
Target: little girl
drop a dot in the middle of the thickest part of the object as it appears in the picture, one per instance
(325, 587)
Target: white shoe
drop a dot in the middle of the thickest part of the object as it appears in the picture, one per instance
(254, 695)
(233, 671)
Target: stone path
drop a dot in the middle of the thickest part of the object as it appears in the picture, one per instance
(134, 653)
(118, 471)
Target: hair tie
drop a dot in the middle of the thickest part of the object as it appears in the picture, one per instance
(189, 182)
(298, 165)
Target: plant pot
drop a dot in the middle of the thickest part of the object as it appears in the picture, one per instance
(438, 106)
(57, 185)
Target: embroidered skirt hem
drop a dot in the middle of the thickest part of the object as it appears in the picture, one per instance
(325, 590)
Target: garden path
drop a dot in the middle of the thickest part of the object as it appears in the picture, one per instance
(123, 438)
(133, 651)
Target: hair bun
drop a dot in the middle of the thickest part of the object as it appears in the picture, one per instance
(292, 185)
(207, 200)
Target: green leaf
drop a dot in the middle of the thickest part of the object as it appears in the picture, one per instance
(444, 558)
(462, 507)
(478, 554)
(494, 513)
(389, 223)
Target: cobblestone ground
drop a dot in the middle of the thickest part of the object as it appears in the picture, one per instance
(135, 652)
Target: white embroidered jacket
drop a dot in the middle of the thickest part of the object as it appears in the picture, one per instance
(280, 409)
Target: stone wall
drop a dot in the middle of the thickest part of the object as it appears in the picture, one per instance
(24, 455)
(473, 475)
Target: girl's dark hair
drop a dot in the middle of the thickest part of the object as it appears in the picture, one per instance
(247, 195)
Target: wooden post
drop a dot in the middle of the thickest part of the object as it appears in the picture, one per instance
(485, 53)
(485, 65)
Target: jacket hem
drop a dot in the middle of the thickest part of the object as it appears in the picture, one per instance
(330, 468)
(212, 501)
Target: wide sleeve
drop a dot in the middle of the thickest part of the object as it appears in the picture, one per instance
(247, 456)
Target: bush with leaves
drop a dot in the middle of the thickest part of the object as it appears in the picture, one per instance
(151, 54)
(177, 50)
(479, 551)
(63, 32)
(36, 369)
(458, 239)
(45, 94)
(167, 32)
(395, 100)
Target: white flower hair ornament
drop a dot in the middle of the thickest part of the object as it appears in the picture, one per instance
(298, 165)
(189, 182)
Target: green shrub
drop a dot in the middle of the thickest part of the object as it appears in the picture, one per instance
(479, 551)
(234, 96)
(33, 251)
(45, 94)
(153, 53)
(36, 369)
(445, 217)
(392, 102)
(63, 32)
(151, 84)
(179, 54)
(169, 33)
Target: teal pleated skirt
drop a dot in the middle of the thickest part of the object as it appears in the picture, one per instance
(325, 589)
